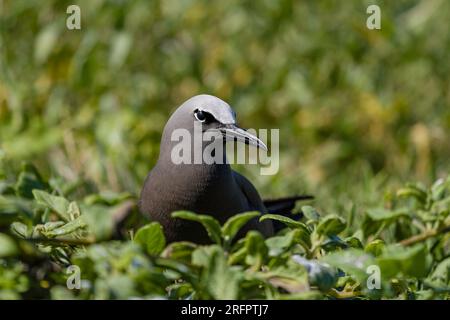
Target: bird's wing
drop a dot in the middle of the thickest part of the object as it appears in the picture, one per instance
(250, 192)
(255, 203)
(284, 205)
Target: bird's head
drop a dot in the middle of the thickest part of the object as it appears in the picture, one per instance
(214, 115)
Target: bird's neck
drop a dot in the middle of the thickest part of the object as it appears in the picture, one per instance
(195, 179)
(189, 170)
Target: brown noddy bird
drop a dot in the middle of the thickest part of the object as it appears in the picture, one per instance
(213, 189)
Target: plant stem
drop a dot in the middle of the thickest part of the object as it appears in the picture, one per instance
(425, 235)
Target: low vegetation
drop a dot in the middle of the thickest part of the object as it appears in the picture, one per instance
(400, 250)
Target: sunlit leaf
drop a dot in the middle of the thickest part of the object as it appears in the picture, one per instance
(151, 237)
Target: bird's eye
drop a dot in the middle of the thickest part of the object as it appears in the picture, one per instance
(200, 115)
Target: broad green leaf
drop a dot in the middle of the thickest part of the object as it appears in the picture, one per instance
(235, 223)
(8, 246)
(151, 238)
(287, 221)
(202, 255)
(256, 249)
(279, 244)
(440, 277)
(99, 220)
(410, 261)
(221, 280)
(381, 214)
(21, 230)
(310, 213)
(58, 204)
(181, 251)
(211, 225)
(352, 261)
(290, 276)
(331, 225)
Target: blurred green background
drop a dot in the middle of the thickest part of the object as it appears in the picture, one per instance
(358, 110)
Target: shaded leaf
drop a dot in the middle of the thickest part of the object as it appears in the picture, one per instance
(211, 225)
(331, 225)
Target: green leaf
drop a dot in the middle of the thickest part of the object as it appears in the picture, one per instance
(235, 223)
(28, 180)
(352, 261)
(151, 238)
(375, 247)
(107, 198)
(381, 214)
(181, 251)
(331, 225)
(211, 225)
(354, 242)
(439, 189)
(319, 274)
(8, 246)
(58, 204)
(256, 249)
(12, 207)
(440, 277)
(310, 213)
(290, 276)
(413, 192)
(334, 243)
(202, 255)
(410, 261)
(278, 244)
(221, 280)
(21, 230)
(287, 221)
(68, 228)
(99, 220)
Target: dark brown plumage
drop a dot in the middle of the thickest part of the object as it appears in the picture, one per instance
(213, 189)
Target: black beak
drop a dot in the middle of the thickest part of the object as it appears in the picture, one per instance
(232, 132)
